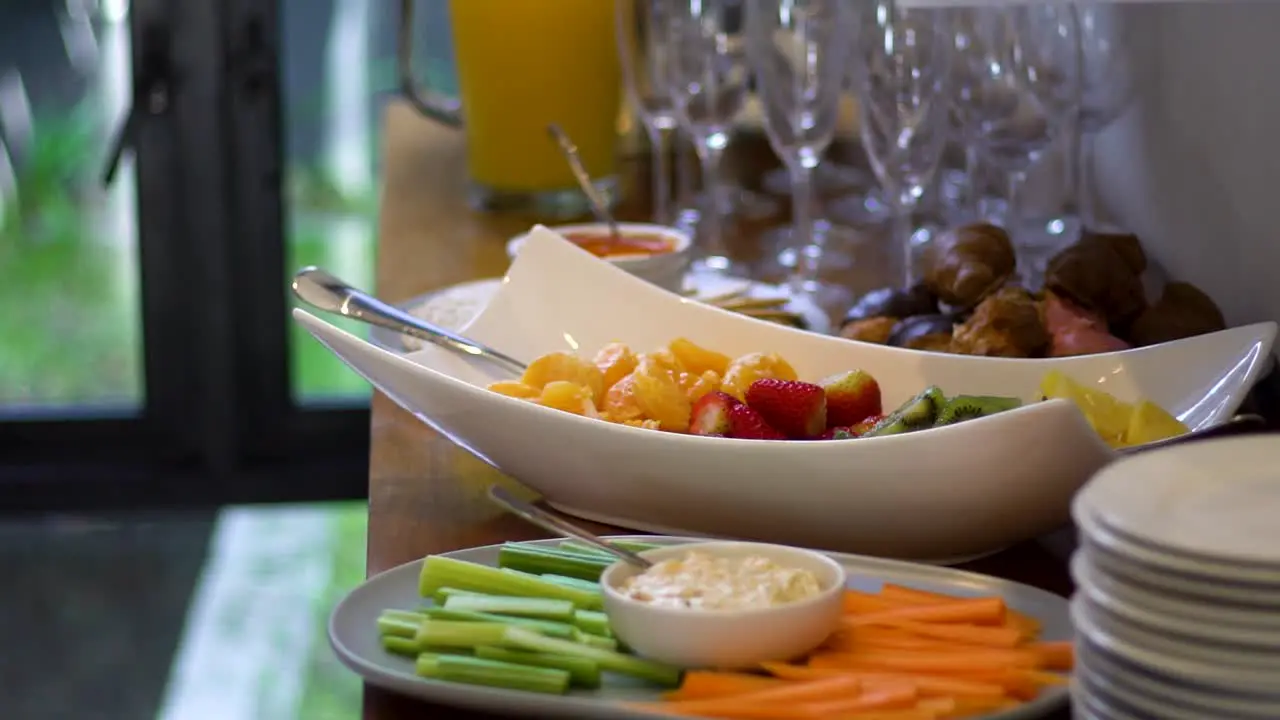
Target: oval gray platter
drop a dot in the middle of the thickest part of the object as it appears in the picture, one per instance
(354, 637)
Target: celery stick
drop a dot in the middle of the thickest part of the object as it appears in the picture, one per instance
(402, 646)
(477, 671)
(520, 639)
(597, 641)
(434, 633)
(439, 572)
(550, 628)
(596, 623)
(588, 585)
(582, 672)
(444, 593)
(543, 608)
(397, 626)
(539, 560)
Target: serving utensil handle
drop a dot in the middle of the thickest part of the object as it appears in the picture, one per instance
(324, 291)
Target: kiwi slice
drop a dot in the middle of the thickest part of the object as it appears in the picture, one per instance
(917, 413)
(968, 407)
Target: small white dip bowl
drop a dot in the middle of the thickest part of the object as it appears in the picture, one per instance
(726, 639)
(666, 270)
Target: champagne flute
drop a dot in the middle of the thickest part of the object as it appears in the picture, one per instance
(643, 52)
(798, 52)
(901, 70)
(1106, 89)
(708, 78)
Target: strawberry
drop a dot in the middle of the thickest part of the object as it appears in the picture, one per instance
(710, 414)
(747, 424)
(851, 398)
(797, 409)
(862, 428)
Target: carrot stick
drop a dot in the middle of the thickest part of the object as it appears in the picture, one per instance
(1001, 637)
(905, 714)
(1029, 626)
(856, 601)
(815, 690)
(888, 696)
(927, 662)
(1057, 655)
(977, 611)
(926, 685)
(702, 684)
(736, 709)
(849, 641)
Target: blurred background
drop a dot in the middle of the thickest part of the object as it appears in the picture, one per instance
(180, 470)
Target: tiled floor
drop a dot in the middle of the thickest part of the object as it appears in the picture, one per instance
(177, 616)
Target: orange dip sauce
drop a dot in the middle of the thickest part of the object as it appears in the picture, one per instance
(604, 245)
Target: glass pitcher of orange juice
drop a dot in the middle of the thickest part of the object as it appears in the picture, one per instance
(522, 65)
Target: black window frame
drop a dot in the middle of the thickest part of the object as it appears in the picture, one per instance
(218, 423)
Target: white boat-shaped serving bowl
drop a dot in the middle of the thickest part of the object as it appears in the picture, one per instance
(936, 494)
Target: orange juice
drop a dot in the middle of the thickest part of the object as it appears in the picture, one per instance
(523, 64)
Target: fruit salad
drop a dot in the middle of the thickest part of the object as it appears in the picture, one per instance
(686, 388)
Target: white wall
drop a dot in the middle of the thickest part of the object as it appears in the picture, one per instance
(1194, 167)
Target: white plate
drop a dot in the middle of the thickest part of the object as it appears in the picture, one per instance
(1195, 589)
(1128, 681)
(968, 488)
(1211, 506)
(1195, 569)
(453, 307)
(353, 634)
(1212, 652)
(1233, 679)
(1173, 613)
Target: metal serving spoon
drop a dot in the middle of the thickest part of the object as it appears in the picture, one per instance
(599, 207)
(552, 523)
(323, 291)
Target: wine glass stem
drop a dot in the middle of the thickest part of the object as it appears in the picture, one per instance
(661, 169)
(903, 226)
(807, 258)
(1083, 181)
(972, 183)
(710, 151)
(1013, 198)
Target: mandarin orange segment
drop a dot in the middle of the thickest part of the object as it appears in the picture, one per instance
(515, 389)
(664, 359)
(620, 403)
(569, 397)
(695, 386)
(646, 424)
(697, 359)
(615, 362)
(563, 366)
(752, 367)
(662, 399)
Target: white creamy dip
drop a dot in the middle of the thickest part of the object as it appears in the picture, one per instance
(700, 581)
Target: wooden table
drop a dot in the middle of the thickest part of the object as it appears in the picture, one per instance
(425, 494)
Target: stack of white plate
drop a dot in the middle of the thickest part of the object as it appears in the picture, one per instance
(1177, 607)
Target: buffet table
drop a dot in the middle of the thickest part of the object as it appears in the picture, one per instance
(425, 494)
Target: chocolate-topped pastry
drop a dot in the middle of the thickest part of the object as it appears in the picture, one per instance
(894, 303)
(1102, 273)
(966, 264)
(1183, 310)
(910, 330)
(873, 330)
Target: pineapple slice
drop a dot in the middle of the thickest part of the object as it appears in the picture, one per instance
(1109, 417)
(1150, 422)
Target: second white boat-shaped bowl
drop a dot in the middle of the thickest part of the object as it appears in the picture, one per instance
(937, 494)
